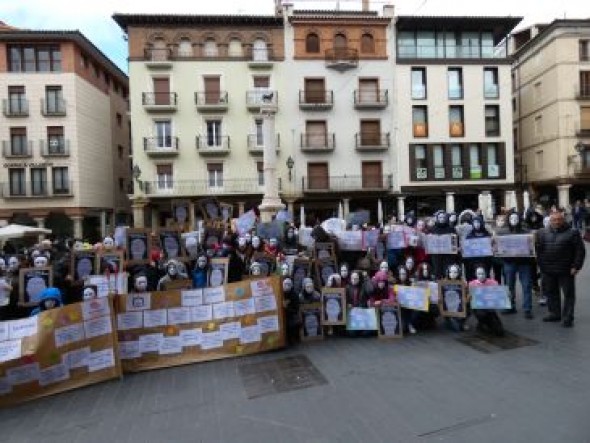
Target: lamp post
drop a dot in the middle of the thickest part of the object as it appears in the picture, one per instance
(136, 174)
(290, 164)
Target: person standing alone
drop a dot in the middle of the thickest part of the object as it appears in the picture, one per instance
(560, 254)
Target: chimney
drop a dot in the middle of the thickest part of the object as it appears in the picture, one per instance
(388, 10)
(366, 5)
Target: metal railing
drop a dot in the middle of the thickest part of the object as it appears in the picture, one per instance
(53, 108)
(379, 98)
(346, 183)
(157, 54)
(17, 150)
(317, 98)
(259, 97)
(159, 98)
(54, 148)
(450, 51)
(367, 140)
(15, 107)
(167, 143)
(256, 142)
(341, 55)
(319, 142)
(584, 91)
(208, 98)
(36, 189)
(213, 142)
(261, 55)
(218, 186)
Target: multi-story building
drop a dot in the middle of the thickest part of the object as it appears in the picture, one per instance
(551, 101)
(65, 133)
(452, 101)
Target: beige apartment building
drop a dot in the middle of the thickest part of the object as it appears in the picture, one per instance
(551, 102)
(453, 116)
(65, 134)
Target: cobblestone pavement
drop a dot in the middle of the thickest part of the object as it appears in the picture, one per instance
(426, 388)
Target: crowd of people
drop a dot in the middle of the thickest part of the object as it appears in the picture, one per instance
(369, 276)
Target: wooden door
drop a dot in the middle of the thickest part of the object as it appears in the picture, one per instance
(318, 176)
(372, 175)
(162, 91)
(212, 89)
(370, 132)
(316, 136)
(368, 90)
(340, 45)
(315, 91)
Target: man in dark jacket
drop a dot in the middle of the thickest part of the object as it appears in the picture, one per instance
(560, 254)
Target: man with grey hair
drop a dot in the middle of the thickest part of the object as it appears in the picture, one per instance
(560, 254)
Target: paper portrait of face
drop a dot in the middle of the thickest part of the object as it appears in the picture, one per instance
(333, 309)
(34, 288)
(212, 210)
(327, 271)
(216, 278)
(323, 253)
(181, 214)
(453, 301)
(138, 249)
(171, 247)
(84, 267)
(389, 323)
(311, 324)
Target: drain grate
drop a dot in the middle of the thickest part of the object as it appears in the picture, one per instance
(279, 375)
(489, 344)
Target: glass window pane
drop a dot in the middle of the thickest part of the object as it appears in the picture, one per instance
(406, 44)
(426, 44)
(418, 83)
(492, 154)
(456, 155)
(438, 156)
(455, 83)
(420, 152)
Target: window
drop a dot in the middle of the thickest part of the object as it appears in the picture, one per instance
(539, 160)
(421, 162)
(474, 161)
(584, 47)
(438, 160)
(312, 43)
(585, 120)
(163, 133)
(259, 124)
(54, 103)
(585, 84)
(370, 133)
(539, 125)
(470, 45)
(492, 117)
(120, 152)
(315, 90)
(234, 48)
(418, 83)
(17, 102)
(213, 132)
(260, 170)
(537, 92)
(185, 48)
(456, 161)
(212, 89)
(425, 43)
(318, 176)
(372, 175)
(55, 140)
(17, 181)
(27, 58)
(491, 88)
(406, 44)
(119, 120)
(18, 142)
(215, 174)
(456, 124)
(316, 134)
(261, 81)
(162, 94)
(164, 176)
(492, 160)
(369, 90)
(367, 44)
(455, 78)
(420, 121)
(38, 181)
(61, 182)
(260, 50)
(210, 48)
(340, 46)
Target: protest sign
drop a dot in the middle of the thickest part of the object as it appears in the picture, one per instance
(109, 284)
(452, 296)
(58, 350)
(246, 222)
(413, 297)
(109, 262)
(490, 297)
(82, 264)
(32, 281)
(273, 229)
(305, 238)
(333, 306)
(361, 319)
(358, 218)
(396, 239)
(441, 244)
(370, 239)
(518, 245)
(390, 320)
(477, 247)
(324, 269)
(218, 271)
(311, 321)
(139, 244)
(171, 244)
(432, 286)
(171, 328)
(334, 225)
(323, 250)
(350, 240)
(284, 216)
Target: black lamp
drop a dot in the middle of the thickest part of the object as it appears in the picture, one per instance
(290, 164)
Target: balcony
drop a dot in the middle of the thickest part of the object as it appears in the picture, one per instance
(158, 58)
(583, 132)
(341, 59)
(53, 108)
(261, 98)
(161, 146)
(211, 101)
(584, 92)
(316, 100)
(54, 148)
(33, 190)
(318, 143)
(213, 144)
(159, 101)
(371, 141)
(18, 107)
(17, 150)
(260, 58)
(347, 183)
(371, 99)
(256, 144)
(203, 187)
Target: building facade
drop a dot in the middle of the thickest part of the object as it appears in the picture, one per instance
(65, 134)
(551, 100)
(453, 98)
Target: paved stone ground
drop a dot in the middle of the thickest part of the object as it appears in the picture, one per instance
(425, 388)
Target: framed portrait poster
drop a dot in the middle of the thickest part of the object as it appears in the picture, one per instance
(273, 229)
(268, 263)
(390, 320)
(361, 319)
(210, 209)
(324, 250)
(109, 260)
(441, 244)
(139, 244)
(311, 321)
(350, 240)
(477, 247)
(83, 263)
(432, 287)
(212, 238)
(301, 269)
(452, 298)
(518, 245)
(180, 212)
(171, 244)
(333, 306)
(32, 281)
(218, 271)
(324, 269)
(490, 297)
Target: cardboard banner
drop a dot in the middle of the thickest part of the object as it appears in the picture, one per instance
(396, 239)
(441, 244)
(245, 222)
(111, 284)
(171, 328)
(518, 245)
(370, 239)
(413, 297)
(477, 247)
(58, 350)
(361, 319)
(490, 297)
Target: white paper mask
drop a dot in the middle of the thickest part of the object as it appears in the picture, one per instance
(273, 242)
(13, 264)
(384, 266)
(453, 272)
(308, 287)
(255, 269)
(248, 237)
(354, 278)
(476, 224)
(108, 243)
(420, 225)
(285, 269)
(403, 275)
(500, 221)
(425, 271)
(255, 242)
(480, 274)
(172, 270)
(201, 262)
(2, 264)
(242, 242)
(88, 293)
(441, 218)
(141, 283)
(343, 272)
(410, 263)
(287, 285)
(40, 262)
(513, 219)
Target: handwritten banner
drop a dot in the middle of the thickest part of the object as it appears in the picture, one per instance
(477, 247)
(519, 245)
(490, 297)
(441, 244)
(413, 297)
(361, 319)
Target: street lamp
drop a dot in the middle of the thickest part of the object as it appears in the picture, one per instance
(136, 174)
(290, 164)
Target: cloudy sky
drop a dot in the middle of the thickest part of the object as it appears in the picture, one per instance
(93, 18)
